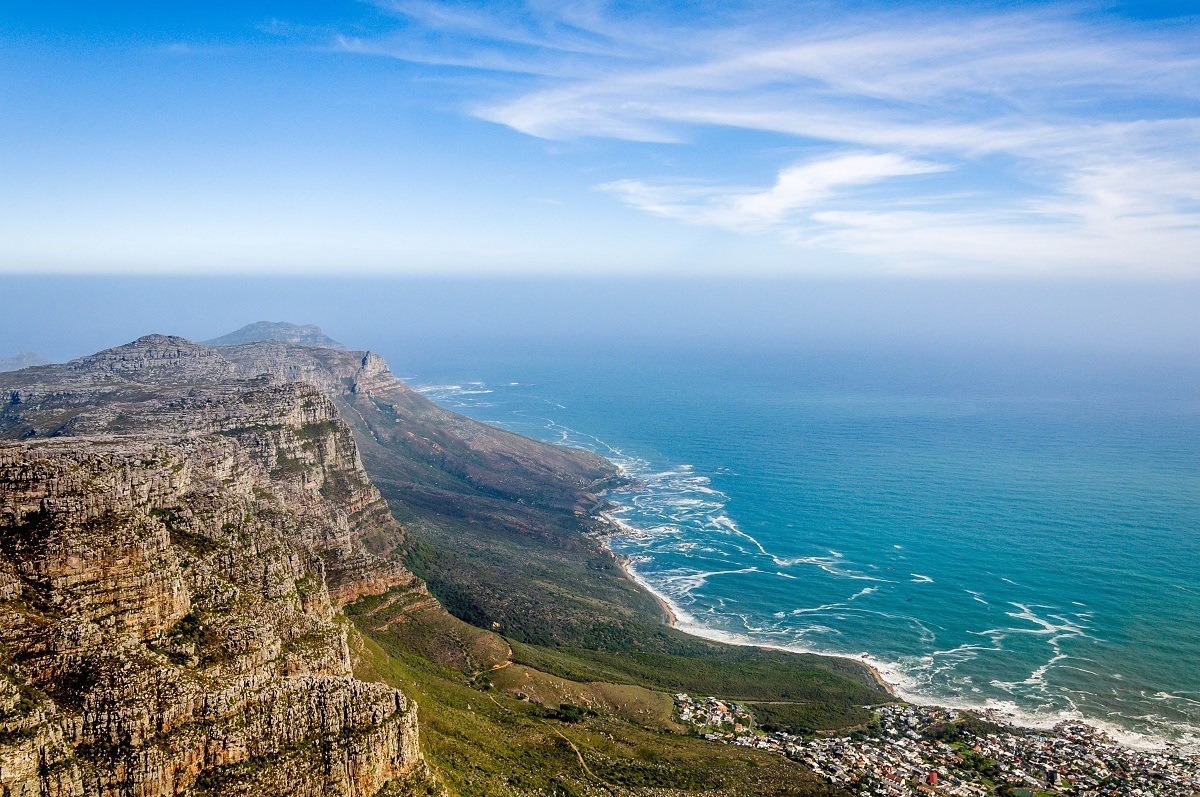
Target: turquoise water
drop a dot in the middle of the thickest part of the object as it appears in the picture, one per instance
(1011, 537)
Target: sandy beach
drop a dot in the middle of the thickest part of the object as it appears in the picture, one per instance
(668, 612)
(672, 618)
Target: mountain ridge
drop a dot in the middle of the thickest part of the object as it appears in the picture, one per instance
(22, 359)
(176, 544)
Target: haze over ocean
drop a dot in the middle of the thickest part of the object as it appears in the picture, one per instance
(997, 503)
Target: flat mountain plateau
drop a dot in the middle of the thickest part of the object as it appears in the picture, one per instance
(240, 569)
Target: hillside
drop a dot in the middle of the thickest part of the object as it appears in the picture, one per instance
(207, 527)
(505, 531)
(22, 359)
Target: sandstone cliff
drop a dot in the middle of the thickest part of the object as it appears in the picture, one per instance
(434, 466)
(518, 505)
(176, 541)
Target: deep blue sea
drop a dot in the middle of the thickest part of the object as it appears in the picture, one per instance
(1017, 534)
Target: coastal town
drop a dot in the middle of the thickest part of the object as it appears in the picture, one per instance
(914, 750)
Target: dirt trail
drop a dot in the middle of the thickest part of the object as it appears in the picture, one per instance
(507, 660)
(578, 755)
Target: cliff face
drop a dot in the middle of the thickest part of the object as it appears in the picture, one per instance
(517, 505)
(176, 542)
(428, 451)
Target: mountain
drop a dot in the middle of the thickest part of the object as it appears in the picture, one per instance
(236, 570)
(176, 544)
(301, 335)
(22, 359)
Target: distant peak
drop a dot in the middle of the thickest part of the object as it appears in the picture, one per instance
(22, 359)
(299, 334)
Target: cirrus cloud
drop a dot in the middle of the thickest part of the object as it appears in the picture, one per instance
(800, 187)
(934, 139)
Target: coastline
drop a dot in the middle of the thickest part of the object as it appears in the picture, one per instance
(1011, 716)
(672, 619)
(673, 613)
(891, 676)
(625, 563)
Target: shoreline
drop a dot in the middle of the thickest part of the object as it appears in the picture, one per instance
(672, 614)
(625, 562)
(1013, 717)
(672, 621)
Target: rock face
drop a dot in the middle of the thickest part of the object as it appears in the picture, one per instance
(176, 541)
(301, 335)
(434, 454)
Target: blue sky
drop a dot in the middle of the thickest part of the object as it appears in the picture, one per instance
(417, 137)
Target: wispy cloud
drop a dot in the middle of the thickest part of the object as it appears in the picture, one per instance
(1071, 144)
(798, 188)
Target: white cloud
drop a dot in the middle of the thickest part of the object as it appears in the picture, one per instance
(799, 187)
(1083, 135)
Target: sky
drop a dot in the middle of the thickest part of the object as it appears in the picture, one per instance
(579, 138)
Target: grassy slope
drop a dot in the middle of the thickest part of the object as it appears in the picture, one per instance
(486, 742)
(569, 610)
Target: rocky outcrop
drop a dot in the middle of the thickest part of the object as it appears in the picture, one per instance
(176, 542)
(156, 356)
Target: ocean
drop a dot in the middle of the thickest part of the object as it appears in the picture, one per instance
(985, 540)
(1026, 545)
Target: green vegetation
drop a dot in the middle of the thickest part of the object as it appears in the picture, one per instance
(569, 712)
(311, 432)
(529, 564)
(493, 727)
(288, 466)
(736, 672)
(184, 644)
(181, 534)
(28, 700)
(308, 586)
(337, 487)
(488, 743)
(567, 608)
(188, 630)
(799, 718)
(985, 766)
